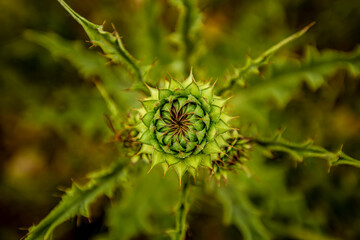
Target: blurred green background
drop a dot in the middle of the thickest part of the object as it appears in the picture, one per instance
(52, 128)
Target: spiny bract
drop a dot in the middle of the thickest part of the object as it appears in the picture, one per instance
(233, 157)
(182, 125)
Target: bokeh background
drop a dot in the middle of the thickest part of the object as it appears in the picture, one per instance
(52, 128)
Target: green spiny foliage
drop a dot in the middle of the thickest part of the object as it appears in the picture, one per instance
(142, 209)
(234, 156)
(110, 43)
(76, 200)
(283, 79)
(252, 65)
(299, 151)
(239, 211)
(183, 126)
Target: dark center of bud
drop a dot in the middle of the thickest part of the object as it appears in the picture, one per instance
(181, 126)
(179, 121)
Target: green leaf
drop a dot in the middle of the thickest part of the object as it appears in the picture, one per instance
(239, 211)
(90, 65)
(76, 200)
(252, 66)
(284, 78)
(306, 150)
(110, 43)
(145, 208)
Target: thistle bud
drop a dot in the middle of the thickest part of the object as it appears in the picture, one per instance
(182, 125)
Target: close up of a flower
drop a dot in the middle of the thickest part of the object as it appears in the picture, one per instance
(180, 119)
(183, 125)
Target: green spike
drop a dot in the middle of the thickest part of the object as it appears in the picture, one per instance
(190, 146)
(194, 161)
(226, 118)
(194, 89)
(208, 93)
(192, 171)
(147, 138)
(215, 113)
(206, 120)
(205, 105)
(206, 161)
(149, 105)
(154, 92)
(222, 127)
(148, 118)
(219, 101)
(200, 135)
(164, 93)
(188, 80)
(180, 169)
(175, 85)
(199, 148)
(221, 142)
(211, 133)
(178, 146)
(157, 158)
(211, 147)
(141, 127)
(171, 159)
(146, 149)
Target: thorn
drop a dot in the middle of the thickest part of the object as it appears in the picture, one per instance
(113, 26)
(169, 75)
(341, 147)
(225, 180)
(234, 117)
(154, 62)
(150, 169)
(62, 189)
(229, 98)
(109, 62)
(214, 82)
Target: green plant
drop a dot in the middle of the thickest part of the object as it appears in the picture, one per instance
(183, 125)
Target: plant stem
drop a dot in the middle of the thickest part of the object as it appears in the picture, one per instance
(182, 211)
(253, 65)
